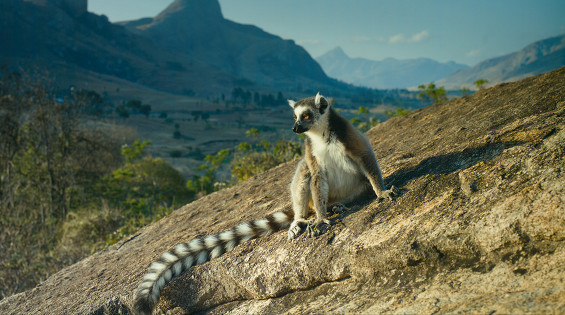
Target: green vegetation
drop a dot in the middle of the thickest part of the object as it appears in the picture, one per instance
(68, 190)
(250, 160)
(480, 84)
(363, 121)
(399, 112)
(144, 189)
(432, 93)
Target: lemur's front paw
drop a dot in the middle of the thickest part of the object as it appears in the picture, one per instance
(390, 194)
(296, 228)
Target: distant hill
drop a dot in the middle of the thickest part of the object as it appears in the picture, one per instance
(536, 58)
(188, 48)
(389, 73)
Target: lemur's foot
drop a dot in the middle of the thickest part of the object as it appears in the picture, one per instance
(390, 194)
(337, 208)
(312, 228)
(317, 227)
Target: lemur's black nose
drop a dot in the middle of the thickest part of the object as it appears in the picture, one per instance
(298, 128)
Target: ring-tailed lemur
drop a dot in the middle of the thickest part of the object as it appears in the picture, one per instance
(339, 165)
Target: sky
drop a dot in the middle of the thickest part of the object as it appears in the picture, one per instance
(466, 32)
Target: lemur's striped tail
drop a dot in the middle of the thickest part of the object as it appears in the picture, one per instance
(199, 251)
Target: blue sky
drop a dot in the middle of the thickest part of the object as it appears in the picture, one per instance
(445, 30)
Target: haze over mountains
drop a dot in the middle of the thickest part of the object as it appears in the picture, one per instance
(536, 58)
(389, 73)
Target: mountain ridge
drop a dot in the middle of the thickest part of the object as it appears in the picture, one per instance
(189, 42)
(536, 58)
(241, 50)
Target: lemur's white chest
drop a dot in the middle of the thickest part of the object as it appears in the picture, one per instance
(344, 176)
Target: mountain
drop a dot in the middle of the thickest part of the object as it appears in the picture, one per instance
(539, 57)
(198, 29)
(478, 227)
(389, 73)
(187, 48)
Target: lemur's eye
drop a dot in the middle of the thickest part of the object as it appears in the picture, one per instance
(294, 117)
(306, 116)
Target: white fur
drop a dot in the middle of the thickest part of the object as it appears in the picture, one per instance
(151, 277)
(243, 229)
(263, 224)
(168, 275)
(188, 261)
(318, 99)
(291, 103)
(169, 258)
(157, 267)
(211, 241)
(202, 257)
(177, 267)
(299, 110)
(280, 217)
(344, 177)
(195, 245)
(181, 250)
(226, 236)
(230, 245)
(217, 251)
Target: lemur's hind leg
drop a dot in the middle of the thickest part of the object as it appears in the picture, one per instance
(319, 190)
(301, 195)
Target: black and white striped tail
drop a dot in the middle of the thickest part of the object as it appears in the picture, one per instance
(199, 251)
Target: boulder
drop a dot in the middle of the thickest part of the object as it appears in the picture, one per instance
(478, 227)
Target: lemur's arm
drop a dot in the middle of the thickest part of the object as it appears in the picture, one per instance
(370, 166)
(319, 188)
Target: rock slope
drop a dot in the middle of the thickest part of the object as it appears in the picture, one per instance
(479, 227)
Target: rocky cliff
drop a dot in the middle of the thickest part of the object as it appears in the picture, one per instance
(478, 227)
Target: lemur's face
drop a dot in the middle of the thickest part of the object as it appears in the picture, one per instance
(307, 112)
(304, 119)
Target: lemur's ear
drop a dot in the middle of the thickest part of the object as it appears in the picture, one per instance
(321, 102)
(291, 103)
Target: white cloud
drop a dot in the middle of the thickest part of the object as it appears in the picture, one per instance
(420, 36)
(398, 38)
(415, 38)
(473, 53)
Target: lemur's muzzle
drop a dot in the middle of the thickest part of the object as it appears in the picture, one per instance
(299, 127)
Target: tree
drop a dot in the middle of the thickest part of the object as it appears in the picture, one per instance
(49, 165)
(433, 93)
(480, 83)
(464, 91)
(134, 104)
(145, 109)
